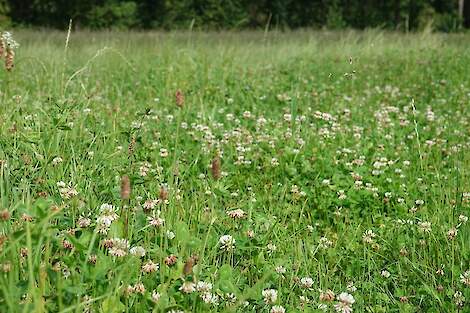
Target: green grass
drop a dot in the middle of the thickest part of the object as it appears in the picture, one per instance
(320, 134)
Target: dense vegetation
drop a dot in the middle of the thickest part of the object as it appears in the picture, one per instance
(229, 14)
(249, 172)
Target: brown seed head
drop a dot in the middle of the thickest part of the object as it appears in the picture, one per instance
(179, 98)
(327, 296)
(9, 60)
(163, 193)
(188, 266)
(131, 146)
(215, 167)
(171, 260)
(5, 215)
(125, 187)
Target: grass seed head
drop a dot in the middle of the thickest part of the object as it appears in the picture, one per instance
(179, 98)
(215, 167)
(125, 187)
(163, 193)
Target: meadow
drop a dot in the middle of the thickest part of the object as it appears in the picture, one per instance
(235, 172)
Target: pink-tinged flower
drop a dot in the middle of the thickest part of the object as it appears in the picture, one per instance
(345, 301)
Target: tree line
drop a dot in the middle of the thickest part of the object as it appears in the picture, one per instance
(404, 15)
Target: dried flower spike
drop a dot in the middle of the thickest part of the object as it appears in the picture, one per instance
(179, 98)
(125, 187)
(215, 167)
(9, 60)
(163, 193)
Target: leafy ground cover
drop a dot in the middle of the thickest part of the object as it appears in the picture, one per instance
(235, 172)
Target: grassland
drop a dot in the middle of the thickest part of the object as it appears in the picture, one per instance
(268, 172)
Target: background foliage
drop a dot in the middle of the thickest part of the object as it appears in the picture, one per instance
(233, 14)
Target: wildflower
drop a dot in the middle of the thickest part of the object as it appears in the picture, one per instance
(163, 152)
(278, 309)
(463, 219)
(188, 287)
(350, 287)
(270, 296)
(280, 269)
(452, 233)
(57, 160)
(385, 273)
(210, 298)
(465, 278)
(137, 251)
(202, 286)
(424, 227)
(325, 243)
(230, 298)
(345, 302)
(236, 214)
(170, 235)
(92, 259)
(155, 296)
(171, 260)
(139, 288)
(227, 243)
(459, 299)
(83, 222)
(327, 296)
(6, 267)
(119, 247)
(150, 204)
(150, 267)
(67, 244)
(155, 220)
(271, 248)
(306, 282)
(368, 236)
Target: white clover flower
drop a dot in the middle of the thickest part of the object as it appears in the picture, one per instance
(368, 236)
(210, 298)
(236, 214)
(137, 251)
(188, 287)
(57, 160)
(465, 278)
(227, 243)
(270, 296)
(325, 243)
(350, 287)
(278, 309)
(306, 282)
(424, 227)
(385, 273)
(9, 41)
(150, 267)
(119, 247)
(155, 296)
(170, 235)
(345, 302)
(202, 286)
